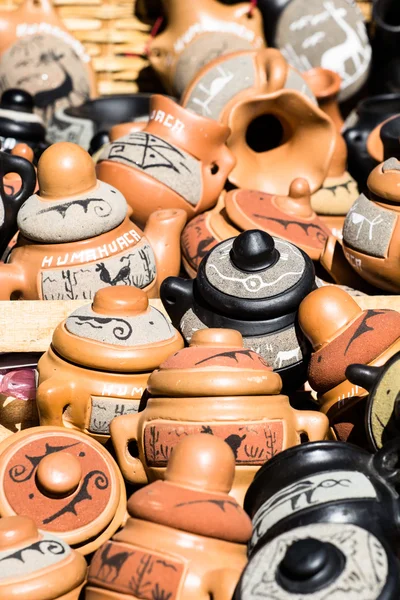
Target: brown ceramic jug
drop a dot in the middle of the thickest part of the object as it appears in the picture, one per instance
(40, 56)
(36, 565)
(341, 334)
(76, 237)
(185, 538)
(215, 386)
(66, 482)
(371, 233)
(278, 132)
(196, 33)
(179, 160)
(100, 359)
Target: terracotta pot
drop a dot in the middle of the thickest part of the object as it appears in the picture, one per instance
(196, 33)
(39, 55)
(165, 550)
(179, 160)
(76, 237)
(37, 565)
(216, 387)
(341, 333)
(69, 484)
(100, 359)
(278, 132)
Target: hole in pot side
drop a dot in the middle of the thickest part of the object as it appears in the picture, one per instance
(264, 133)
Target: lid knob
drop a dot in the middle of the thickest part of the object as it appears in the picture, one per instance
(202, 461)
(324, 312)
(213, 337)
(120, 300)
(309, 565)
(59, 474)
(16, 530)
(65, 169)
(253, 250)
(24, 151)
(19, 100)
(390, 136)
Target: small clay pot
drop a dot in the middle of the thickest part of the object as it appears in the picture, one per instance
(253, 283)
(185, 537)
(278, 132)
(196, 33)
(76, 237)
(66, 482)
(179, 160)
(215, 387)
(341, 334)
(100, 359)
(36, 565)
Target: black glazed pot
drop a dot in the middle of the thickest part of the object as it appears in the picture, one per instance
(386, 45)
(10, 204)
(253, 283)
(326, 482)
(369, 114)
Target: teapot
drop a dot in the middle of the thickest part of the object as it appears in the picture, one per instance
(216, 387)
(76, 237)
(100, 359)
(253, 283)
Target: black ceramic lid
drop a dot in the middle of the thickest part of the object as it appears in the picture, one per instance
(255, 275)
(17, 119)
(390, 136)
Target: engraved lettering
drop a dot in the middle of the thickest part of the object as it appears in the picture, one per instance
(160, 115)
(122, 243)
(136, 236)
(47, 261)
(103, 251)
(90, 255)
(168, 121)
(61, 261)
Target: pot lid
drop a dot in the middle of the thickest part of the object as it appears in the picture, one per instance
(119, 331)
(194, 494)
(215, 364)
(17, 119)
(384, 182)
(65, 481)
(71, 204)
(256, 273)
(37, 557)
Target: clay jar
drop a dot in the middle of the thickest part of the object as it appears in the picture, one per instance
(100, 359)
(37, 565)
(253, 283)
(66, 482)
(341, 334)
(289, 217)
(216, 387)
(278, 132)
(76, 237)
(185, 537)
(179, 160)
(197, 32)
(371, 238)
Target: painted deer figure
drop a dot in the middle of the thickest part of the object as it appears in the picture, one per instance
(286, 355)
(111, 564)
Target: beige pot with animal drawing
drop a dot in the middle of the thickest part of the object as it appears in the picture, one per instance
(216, 387)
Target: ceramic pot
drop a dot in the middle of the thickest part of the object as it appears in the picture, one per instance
(370, 113)
(386, 63)
(253, 283)
(196, 33)
(69, 484)
(100, 359)
(12, 199)
(371, 229)
(164, 542)
(36, 565)
(382, 410)
(320, 561)
(38, 55)
(326, 482)
(273, 117)
(179, 160)
(76, 237)
(311, 34)
(215, 386)
(341, 333)
(79, 124)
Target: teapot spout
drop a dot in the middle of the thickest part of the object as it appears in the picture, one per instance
(163, 230)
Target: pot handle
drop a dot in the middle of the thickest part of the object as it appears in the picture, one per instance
(123, 430)
(314, 424)
(13, 202)
(176, 295)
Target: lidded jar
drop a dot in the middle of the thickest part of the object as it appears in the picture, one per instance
(18, 122)
(185, 538)
(100, 359)
(253, 283)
